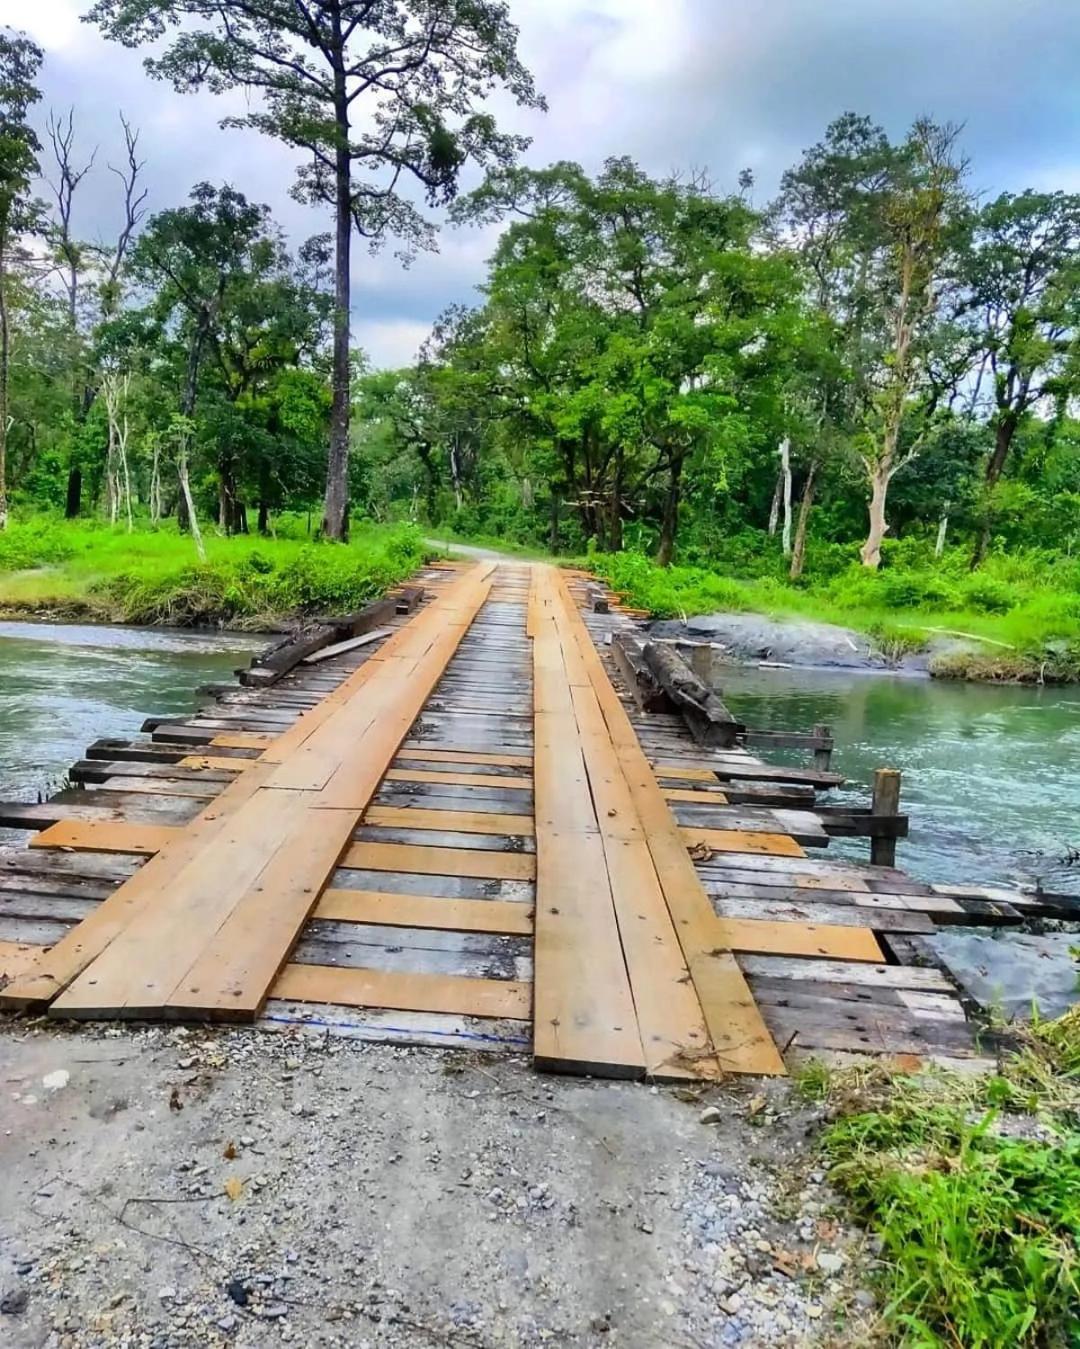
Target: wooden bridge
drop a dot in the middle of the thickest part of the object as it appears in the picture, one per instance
(458, 828)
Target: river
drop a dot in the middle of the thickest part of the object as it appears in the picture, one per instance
(63, 686)
(991, 772)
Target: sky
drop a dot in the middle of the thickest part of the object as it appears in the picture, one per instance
(719, 85)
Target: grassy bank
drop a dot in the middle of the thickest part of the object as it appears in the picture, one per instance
(86, 571)
(972, 1187)
(1021, 614)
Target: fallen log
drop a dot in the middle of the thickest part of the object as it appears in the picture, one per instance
(272, 665)
(709, 721)
(626, 649)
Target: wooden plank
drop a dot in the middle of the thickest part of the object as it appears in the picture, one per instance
(453, 821)
(915, 977)
(350, 644)
(740, 841)
(425, 861)
(691, 798)
(107, 836)
(217, 764)
(503, 917)
(453, 994)
(585, 1018)
(458, 779)
(242, 740)
(755, 936)
(435, 755)
(17, 959)
(224, 924)
(70, 956)
(738, 1033)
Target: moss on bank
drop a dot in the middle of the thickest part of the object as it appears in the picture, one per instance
(84, 571)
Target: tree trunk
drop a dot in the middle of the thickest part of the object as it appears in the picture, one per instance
(264, 517)
(73, 504)
(942, 530)
(185, 495)
(798, 552)
(185, 515)
(1003, 438)
(336, 509)
(670, 523)
(615, 533)
(879, 488)
(155, 484)
(554, 537)
(785, 473)
(774, 509)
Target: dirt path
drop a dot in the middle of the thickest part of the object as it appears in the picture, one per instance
(387, 1196)
(471, 551)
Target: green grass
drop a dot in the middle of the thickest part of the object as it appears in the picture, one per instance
(973, 1188)
(80, 569)
(1022, 626)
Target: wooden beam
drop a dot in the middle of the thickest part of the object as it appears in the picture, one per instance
(453, 994)
(452, 821)
(503, 917)
(425, 861)
(107, 836)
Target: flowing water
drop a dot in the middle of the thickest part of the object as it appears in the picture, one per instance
(63, 686)
(991, 773)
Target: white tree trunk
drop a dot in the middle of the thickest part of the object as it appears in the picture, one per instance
(879, 488)
(785, 471)
(185, 487)
(774, 509)
(942, 530)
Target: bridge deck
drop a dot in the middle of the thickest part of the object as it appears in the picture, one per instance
(463, 833)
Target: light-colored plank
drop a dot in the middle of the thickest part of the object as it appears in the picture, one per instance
(71, 955)
(217, 763)
(17, 959)
(350, 644)
(584, 1015)
(738, 1032)
(503, 917)
(160, 787)
(826, 941)
(692, 798)
(106, 836)
(243, 740)
(453, 994)
(454, 821)
(434, 755)
(741, 840)
(225, 922)
(424, 861)
(514, 784)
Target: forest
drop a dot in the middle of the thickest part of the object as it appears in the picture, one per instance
(854, 399)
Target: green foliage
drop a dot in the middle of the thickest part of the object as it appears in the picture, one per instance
(973, 1187)
(151, 576)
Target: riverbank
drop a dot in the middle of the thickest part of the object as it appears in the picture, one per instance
(65, 571)
(980, 628)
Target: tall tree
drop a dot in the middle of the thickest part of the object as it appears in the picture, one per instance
(375, 92)
(1021, 300)
(20, 61)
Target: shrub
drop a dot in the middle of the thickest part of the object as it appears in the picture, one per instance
(987, 596)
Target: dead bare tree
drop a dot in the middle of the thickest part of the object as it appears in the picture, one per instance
(134, 210)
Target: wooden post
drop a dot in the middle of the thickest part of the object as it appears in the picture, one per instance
(701, 662)
(886, 802)
(823, 755)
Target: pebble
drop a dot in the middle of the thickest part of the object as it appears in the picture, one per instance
(710, 1115)
(830, 1263)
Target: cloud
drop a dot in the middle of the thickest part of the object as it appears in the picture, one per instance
(673, 83)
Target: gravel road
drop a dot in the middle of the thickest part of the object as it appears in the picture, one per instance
(163, 1187)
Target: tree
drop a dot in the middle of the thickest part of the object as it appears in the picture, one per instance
(875, 224)
(20, 61)
(1021, 281)
(375, 92)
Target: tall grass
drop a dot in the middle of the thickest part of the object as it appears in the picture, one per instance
(82, 569)
(973, 1188)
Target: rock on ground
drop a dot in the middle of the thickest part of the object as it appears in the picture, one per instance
(164, 1187)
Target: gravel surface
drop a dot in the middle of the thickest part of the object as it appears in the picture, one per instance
(164, 1187)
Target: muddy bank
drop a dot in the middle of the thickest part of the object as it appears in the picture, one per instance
(752, 638)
